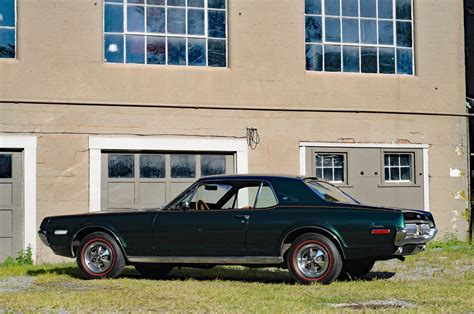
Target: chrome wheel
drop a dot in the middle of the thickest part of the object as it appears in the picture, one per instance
(97, 257)
(312, 260)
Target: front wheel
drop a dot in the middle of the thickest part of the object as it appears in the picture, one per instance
(99, 256)
(312, 258)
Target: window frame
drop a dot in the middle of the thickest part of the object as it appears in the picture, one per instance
(15, 28)
(165, 35)
(344, 154)
(341, 44)
(399, 183)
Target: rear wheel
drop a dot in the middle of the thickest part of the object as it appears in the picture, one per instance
(153, 270)
(355, 269)
(99, 256)
(312, 258)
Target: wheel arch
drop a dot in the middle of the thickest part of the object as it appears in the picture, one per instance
(83, 232)
(296, 232)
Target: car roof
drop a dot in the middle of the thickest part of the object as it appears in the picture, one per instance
(264, 177)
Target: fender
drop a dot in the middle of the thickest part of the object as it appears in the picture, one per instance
(107, 230)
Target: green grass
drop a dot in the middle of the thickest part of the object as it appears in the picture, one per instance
(439, 280)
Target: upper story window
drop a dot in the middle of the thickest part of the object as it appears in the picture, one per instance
(174, 32)
(7, 28)
(362, 36)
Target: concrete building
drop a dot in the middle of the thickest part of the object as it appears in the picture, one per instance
(107, 105)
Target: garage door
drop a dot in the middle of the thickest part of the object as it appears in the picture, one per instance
(152, 179)
(11, 204)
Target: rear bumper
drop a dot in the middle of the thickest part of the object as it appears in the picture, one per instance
(413, 238)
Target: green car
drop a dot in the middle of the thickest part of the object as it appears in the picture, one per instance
(304, 224)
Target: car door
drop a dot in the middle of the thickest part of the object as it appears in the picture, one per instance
(219, 230)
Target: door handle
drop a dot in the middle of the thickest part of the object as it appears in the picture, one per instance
(243, 218)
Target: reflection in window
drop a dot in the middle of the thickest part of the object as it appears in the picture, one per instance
(5, 166)
(330, 167)
(7, 29)
(121, 166)
(176, 32)
(398, 167)
(152, 166)
(212, 165)
(183, 166)
(363, 36)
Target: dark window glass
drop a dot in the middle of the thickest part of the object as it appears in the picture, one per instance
(121, 166)
(404, 34)
(332, 7)
(386, 32)
(152, 166)
(156, 2)
(216, 24)
(5, 166)
(135, 18)
(312, 6)
(333, 29)
(178, 3)
(332, 58)
(350, 8)
(156, 50)
(183, 166)
(368, 31)
(350, 30)
(176, 51)
(114, 1)
(136, 1)
(7, 12)
(135, 49)
(405, 160)
(113, 18)
(385, 9)
(196, 51)
(196, 3)
(404, 61)
(176, 21)
(113, 45)
(216, 4)
(216, 53)
(387, 60)
(350, 59)
(368, 59)
(367, 8)
(314, 57)
(212, 165)
(313, 29)
(196, 22)
(155, 20)
(403, 9)
(330, 167)
(7, 43)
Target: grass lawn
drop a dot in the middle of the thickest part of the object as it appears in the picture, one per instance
(439, 280)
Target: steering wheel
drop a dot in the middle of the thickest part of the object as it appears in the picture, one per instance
(201, 205)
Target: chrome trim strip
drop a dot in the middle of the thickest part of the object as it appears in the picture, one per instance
(237, 260)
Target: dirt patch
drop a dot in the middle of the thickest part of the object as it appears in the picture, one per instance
(62, 285)
(374, 304)
(16, 283)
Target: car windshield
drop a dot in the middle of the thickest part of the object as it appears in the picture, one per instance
(329, 193)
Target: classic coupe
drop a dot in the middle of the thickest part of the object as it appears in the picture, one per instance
(304, 224)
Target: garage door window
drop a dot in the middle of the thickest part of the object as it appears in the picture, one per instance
(330, 167)
(121, 166)
(5, 166)
(183, 166)
(152, 166)
(212, 165)
(398, 168)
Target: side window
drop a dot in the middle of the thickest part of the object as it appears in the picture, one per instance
(246, 197)
(266, 198)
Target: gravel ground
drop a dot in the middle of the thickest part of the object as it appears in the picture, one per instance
(16, 283)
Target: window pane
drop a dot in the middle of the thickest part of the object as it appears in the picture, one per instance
(385, 160)
(5, 166)
(333, 29)
(135, 49)
(266, 198)
(121, 166)
(405, 160)
(368, 60)
(386, 60)
(350, 30)
(403, 9)
(212, 165)
(216, 4)
(368, 31)
(332, 58)
(386, 32)
(386, 174)
(196, 51)
(152, 166)
(350, 8)
(7, 43)
(385, 9)
(332, 7)
(367, 8)
(338, 161)
(312, 6)
(176, 21)
(183, 166)
(113, 46)
(196, 22)
(176, 51)
(327, 174)
(319, 172)
(405, 172)
(156, 2)
(178, 3)
(404, 34)
(113, 18)
(135, 18)
(116, 1)
(216, 24)
(319, 160)
(394, 174)
(404, 61)
(313, 29)
(327, 161)
(7, 13)
(393, 160)
(351, 59)
(314, 57)
(155, 20)
(339, 174)
(156, 50)
(216, 53)
(196, 3)
(136, 1)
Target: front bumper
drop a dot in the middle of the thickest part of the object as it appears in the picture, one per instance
(413, 238)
